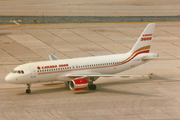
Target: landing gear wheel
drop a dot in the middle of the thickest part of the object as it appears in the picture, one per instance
(28, 91)
(29, 88)
(92, 87)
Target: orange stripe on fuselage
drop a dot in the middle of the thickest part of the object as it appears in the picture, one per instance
(140, 49)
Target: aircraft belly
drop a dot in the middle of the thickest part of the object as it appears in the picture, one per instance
(43, 78)
(63, 77)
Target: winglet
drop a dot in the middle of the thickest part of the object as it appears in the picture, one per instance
(53, 57)
(150, 75)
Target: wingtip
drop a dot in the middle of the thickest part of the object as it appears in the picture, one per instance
(150, 75)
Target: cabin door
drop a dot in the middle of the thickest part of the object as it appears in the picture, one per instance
(134, 62)
(33, 71)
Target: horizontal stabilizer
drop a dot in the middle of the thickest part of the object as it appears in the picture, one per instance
(150, 56)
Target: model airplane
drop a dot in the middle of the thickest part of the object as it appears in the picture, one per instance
(80, 73)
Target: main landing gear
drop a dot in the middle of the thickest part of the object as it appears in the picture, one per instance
(92, 87)
(28, 90)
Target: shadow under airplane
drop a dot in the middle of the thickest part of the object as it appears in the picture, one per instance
(100, 87)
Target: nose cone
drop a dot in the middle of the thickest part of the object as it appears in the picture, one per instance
(9, 78)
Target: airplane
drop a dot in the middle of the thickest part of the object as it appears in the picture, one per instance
(80, 73)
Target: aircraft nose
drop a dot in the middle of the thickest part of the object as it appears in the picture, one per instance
(8, 78)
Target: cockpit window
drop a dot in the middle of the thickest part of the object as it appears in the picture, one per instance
(14, 71)
(18, 71)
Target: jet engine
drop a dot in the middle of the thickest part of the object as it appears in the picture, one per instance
(78, 84)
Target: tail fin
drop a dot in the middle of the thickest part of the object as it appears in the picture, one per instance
(144, 41)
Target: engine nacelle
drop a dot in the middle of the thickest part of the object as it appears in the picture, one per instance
(78, 84)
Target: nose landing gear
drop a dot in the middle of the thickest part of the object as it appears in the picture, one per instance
(28, 90)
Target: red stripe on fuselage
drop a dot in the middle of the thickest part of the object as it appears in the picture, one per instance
(145, 51)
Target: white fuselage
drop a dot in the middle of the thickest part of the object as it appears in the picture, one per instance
(82, 72)
(59, 69)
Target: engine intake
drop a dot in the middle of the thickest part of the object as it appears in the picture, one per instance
(78, 84)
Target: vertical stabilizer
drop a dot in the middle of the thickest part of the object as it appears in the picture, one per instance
(144, 41)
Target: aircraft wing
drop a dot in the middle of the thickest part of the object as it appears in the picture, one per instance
(53, 57)
(106, 75)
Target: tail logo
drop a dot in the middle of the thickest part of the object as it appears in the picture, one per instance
(146, 37)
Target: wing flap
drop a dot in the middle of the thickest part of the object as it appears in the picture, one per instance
(106, 75)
